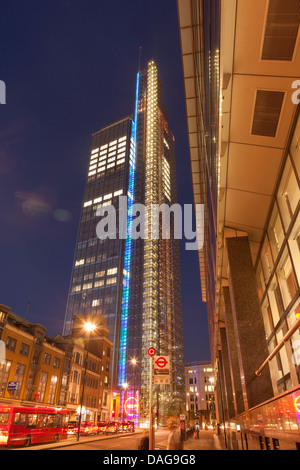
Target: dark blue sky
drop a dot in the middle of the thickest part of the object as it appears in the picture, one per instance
(70, 68)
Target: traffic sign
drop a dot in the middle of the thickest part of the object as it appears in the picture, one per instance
(12, 385)
(161, 379)
(161, 363)
(151, 351)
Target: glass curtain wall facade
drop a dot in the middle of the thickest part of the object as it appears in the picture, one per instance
(97, 276)
(155, 293)
(278, 272)
(249, 183)
(134, 282)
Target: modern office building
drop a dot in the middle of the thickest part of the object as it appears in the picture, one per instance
(98, 269)
(133, 280)
(241, 63)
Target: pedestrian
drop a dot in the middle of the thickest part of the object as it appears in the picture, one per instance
(144, 442)
(174, 441)
(197, 429)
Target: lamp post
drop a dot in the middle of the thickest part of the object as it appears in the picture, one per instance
(125, 386)
(88, 327)
(133, 363)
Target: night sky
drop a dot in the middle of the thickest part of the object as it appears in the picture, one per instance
(70, 68)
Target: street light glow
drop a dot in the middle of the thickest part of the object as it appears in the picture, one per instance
(89, 326)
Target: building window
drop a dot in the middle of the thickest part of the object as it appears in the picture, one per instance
(111, 280)
(47, 358)
(56, 362)
(52, 389)
(42, 386)
(4, 373)
(79, 262)
(24, 350)
(19, 375)
(11, 344)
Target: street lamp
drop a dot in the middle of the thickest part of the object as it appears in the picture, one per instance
(134, 363)
(125, 386)
(88, 327)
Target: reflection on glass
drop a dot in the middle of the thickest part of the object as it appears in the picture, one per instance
(275, 232)
(266, 259)
(260, 280)
(294, 245)
(286, 278)
(294, 315)
(288, 194)
(275, 300)
(267, 317)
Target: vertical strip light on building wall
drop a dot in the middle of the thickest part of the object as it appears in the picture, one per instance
(128, 250)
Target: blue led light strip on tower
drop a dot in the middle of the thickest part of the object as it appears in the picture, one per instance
(128, 249)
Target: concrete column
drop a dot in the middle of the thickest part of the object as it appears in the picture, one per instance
(233, 355)
(227, 374)
(248, 323)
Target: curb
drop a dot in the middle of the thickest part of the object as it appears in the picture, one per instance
(83, 440)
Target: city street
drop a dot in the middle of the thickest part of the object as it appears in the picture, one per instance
(208, 440)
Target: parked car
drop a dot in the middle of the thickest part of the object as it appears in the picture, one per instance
(126, 426)
(72, 428)
(88, 427)
(112, 427)
(102, 427)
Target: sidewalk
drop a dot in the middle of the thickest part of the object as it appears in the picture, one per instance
(208, 440)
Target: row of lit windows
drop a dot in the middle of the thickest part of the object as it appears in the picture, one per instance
(194, 371)
(103, 198)
(91, 285)
(86, 277)
(110, 155)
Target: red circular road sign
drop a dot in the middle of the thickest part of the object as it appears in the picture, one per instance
(151, 351)
(161, 362)
(131, 406)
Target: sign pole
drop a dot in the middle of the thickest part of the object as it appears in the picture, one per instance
(150, 406)
(151, 353)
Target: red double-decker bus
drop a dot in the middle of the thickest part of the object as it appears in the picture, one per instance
(25, 425)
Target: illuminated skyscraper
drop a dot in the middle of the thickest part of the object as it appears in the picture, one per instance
(134, 283)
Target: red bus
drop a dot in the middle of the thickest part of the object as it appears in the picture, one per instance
(25, 425)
